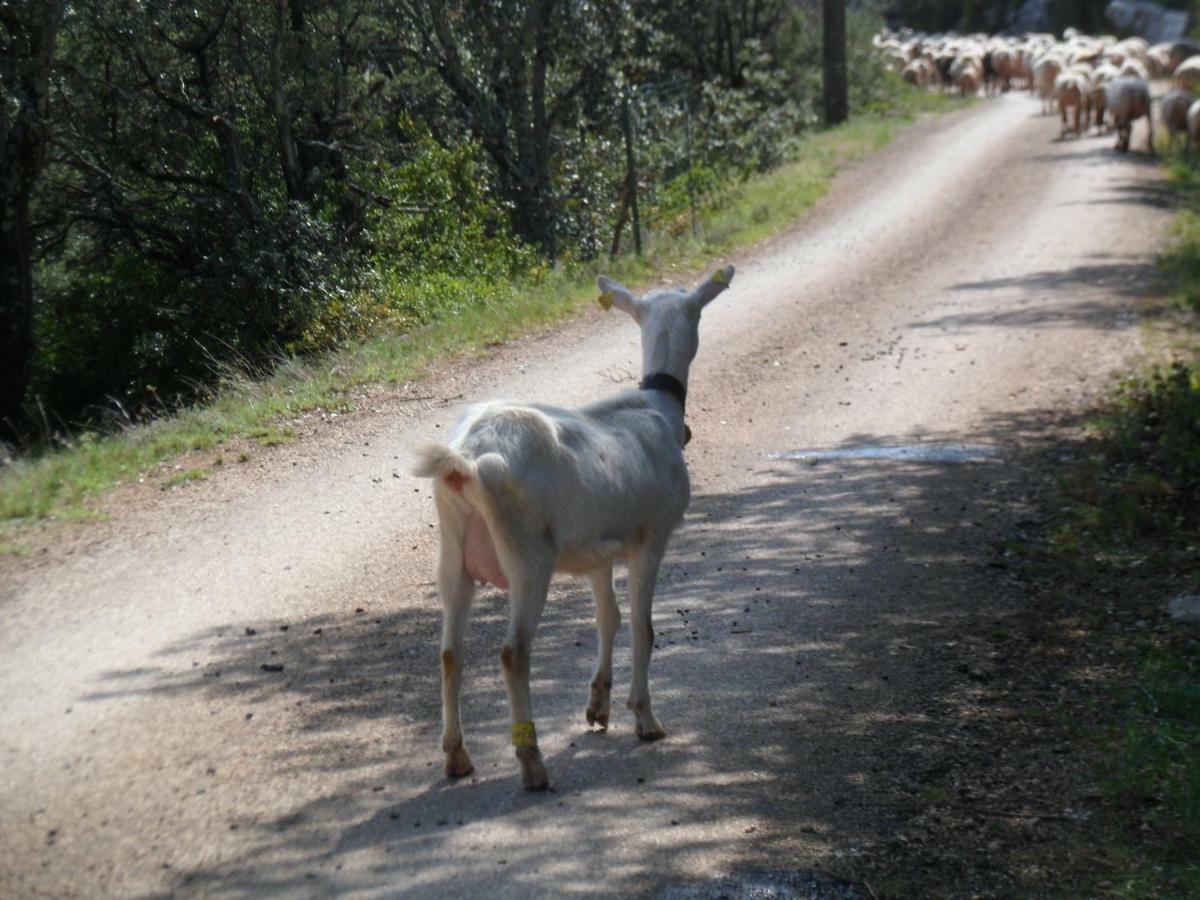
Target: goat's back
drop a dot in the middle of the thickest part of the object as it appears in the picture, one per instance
(609, 472)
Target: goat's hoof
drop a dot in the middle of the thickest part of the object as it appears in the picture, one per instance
(458, 763)
(533, 772)
(653, 733)
(598, 716)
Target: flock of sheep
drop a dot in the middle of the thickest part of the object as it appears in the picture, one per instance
(1085, 77)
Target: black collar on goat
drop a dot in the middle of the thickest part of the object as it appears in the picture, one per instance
(661, 381)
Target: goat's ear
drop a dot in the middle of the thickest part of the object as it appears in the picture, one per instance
(717, 282)
(614, 294)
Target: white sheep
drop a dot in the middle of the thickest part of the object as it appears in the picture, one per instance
(1128, 99)
(1071, 92)
(1045, 71)
(525, 490)
(966, 74)
(1101, 76)
(1134, 68)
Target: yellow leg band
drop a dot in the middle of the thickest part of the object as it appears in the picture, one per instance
(524, 735)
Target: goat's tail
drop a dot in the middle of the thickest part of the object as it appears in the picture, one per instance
(438, 460)
(475, 479)
(446, 465)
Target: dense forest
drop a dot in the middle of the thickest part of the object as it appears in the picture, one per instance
(187, 185)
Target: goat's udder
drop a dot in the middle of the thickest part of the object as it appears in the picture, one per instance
(479, 553)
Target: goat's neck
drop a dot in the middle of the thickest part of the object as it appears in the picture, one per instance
(661, 354)
(665, 402)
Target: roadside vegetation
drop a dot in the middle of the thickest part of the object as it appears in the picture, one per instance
(130, 369)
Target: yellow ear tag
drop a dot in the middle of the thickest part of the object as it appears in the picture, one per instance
(524, 735)
(720, 277)
(605, 300)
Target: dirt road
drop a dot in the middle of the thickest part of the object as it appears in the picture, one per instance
(232, 689)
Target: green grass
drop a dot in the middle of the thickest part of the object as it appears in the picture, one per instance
(184, 477)
(273, 437)
(65, 481)
(1152, 775)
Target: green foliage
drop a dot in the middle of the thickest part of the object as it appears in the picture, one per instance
(136, 336)
(231, 186)
(1150, 485)
(1180, 261)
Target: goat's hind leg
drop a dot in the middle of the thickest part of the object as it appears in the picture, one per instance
(456, 589)
(643, 573)
(608, 620)
(526, 598)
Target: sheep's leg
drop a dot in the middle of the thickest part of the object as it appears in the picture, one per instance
(456, 589)
(526, 598)
(1150, 131)
(643, 573)
(608, 620)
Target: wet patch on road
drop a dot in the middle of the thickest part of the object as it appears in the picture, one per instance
(934, 453)
(771, 885)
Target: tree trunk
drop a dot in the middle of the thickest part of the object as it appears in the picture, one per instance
(22, 156)
(289, 158)
(833, 57)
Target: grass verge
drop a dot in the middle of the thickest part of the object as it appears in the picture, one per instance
(65, 482)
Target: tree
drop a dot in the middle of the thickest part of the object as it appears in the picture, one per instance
(709, 39)
(517, 69)
(833, 60)
(27, 41)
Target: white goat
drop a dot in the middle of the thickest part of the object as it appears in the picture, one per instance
(525, 490)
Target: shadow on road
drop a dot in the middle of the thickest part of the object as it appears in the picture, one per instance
(1103, 155)
(1095, 295)
(1156, 194)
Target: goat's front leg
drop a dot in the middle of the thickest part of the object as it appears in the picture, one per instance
(608, 620)
(526, 598)
(643, 573)
(456, 589)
